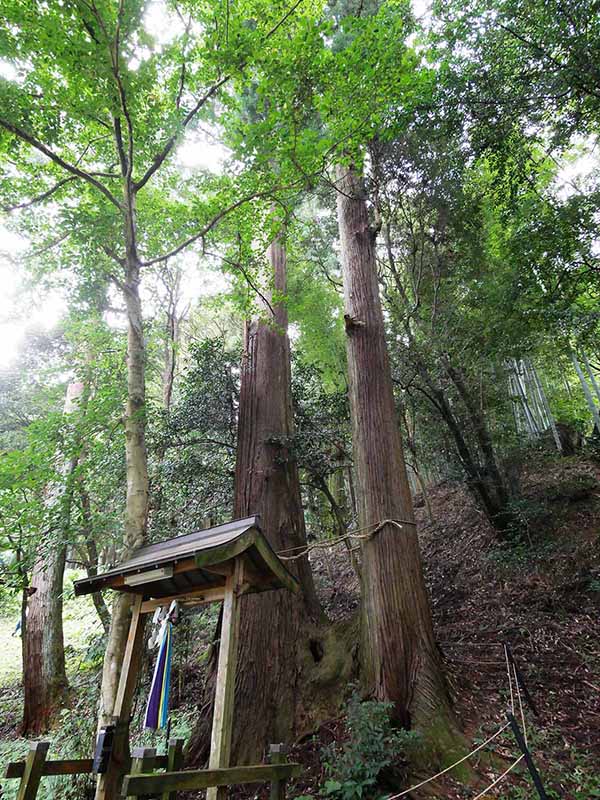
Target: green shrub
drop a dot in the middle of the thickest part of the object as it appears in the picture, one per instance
(353, 767)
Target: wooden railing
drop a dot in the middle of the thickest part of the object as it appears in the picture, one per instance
(142, 780)
(36, 766)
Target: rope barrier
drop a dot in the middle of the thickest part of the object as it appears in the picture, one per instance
(499, 778)
(511, 674)
(356, 534)
(451, 767)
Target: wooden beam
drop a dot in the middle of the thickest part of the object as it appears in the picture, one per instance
(211, 594)
(225, 569)
(220, 744)
(101, 582)
(142, 760)
(34, 769)
(174, 763)
(109, 783)
(129, 668)
(186, 780)
(68, 766)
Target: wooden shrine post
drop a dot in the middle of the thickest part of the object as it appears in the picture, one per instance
(34, 767)
(220, 743)
(109, 783)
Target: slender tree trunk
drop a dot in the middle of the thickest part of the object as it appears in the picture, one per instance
(545, 405)
(592, 377)
(470, 464)
(339, 512)
(267, 484)
(586, 391)
(136, 509)
(400, 657)
(92, 556)
(502, 518)
(172, 329)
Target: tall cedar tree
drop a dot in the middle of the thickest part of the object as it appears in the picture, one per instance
(267, 484)
(399, 656)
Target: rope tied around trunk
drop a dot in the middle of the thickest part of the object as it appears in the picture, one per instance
(368, 532)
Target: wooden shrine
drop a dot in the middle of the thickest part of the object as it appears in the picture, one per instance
(216, 564)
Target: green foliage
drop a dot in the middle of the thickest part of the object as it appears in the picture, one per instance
(353, 767)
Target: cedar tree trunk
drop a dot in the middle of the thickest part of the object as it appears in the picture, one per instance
(44, 675)
(266, 483)
(400, 657)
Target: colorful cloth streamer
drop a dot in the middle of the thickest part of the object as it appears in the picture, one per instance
(157, 710)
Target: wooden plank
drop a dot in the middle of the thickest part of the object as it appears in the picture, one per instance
(142, 760)
(225, 568)
(109, 783)
(278, 755)
(186, 780)
(212, 594)
(129, 676)
(65, 766)
(174, 763)
(220, 743)
(32, 775)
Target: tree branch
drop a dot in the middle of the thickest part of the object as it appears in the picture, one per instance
(171, 142)
(45, 195)
(159, 159)
(206, 229)
(71, 168)
(121, 89)
(40, 197)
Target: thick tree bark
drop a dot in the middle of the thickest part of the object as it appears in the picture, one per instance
(399, 656)
(44, 674)
(267, 484)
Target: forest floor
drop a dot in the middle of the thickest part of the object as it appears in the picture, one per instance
(541, 596)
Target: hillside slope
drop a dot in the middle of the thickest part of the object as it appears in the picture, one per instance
(540, 595)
